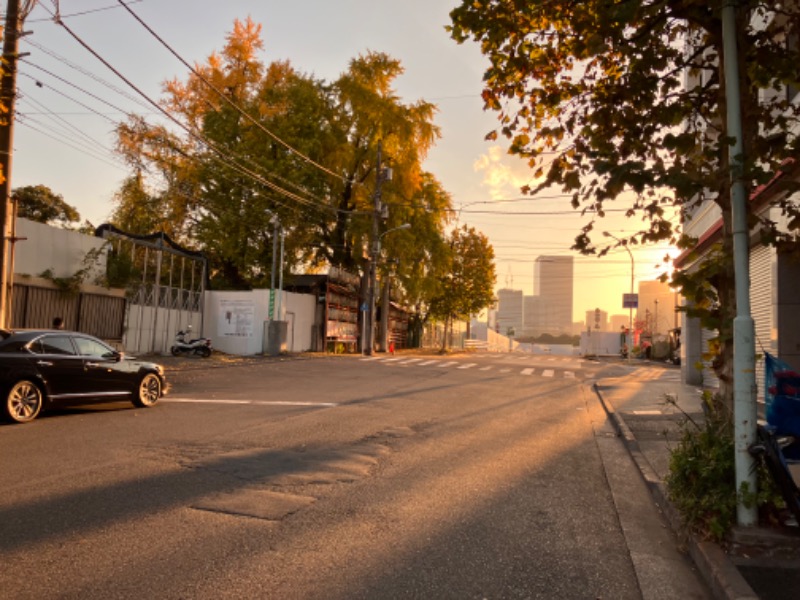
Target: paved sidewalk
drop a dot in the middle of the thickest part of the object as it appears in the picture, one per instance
(651, 426)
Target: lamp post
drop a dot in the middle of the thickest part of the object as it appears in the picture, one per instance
(373, 263)
(630, 306)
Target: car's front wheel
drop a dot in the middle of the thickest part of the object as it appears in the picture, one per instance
(148, 392)
(23, 402)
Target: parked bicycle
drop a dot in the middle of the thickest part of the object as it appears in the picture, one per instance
(778, 441)
(770, 448)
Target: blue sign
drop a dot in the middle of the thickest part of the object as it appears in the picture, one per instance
(630, 300)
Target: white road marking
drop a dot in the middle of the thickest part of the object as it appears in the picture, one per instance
(410, 360)
(505, 370)
(449, 364)
(388, 360)
(485, 368)
(569, 374)
(548, 373)
(527, 371)
(468, 366)
(427, 362)
(254, 402)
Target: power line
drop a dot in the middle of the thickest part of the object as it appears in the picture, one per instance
(68, 127)
(80, 89)
(221, 156)
(86, 72)
(25, 121)
(114, 88)
(83, 12)
(230, 102)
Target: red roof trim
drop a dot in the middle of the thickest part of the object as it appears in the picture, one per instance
(713, 233)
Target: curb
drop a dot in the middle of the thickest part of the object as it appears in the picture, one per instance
(717, 570)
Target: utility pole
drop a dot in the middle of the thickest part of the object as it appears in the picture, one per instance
(744, 356)
(369, 316)
(8, 86)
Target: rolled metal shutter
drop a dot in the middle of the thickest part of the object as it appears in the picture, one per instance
(762, 303)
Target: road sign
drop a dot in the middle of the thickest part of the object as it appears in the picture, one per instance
(630, 300)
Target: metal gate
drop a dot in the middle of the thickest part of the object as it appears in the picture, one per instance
(166, 285)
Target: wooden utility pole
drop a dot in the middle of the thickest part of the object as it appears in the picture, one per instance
(8, 86)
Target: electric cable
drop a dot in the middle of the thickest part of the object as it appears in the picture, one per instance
(230, 102)
(221, 156)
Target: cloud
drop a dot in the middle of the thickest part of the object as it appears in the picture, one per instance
(503, 174)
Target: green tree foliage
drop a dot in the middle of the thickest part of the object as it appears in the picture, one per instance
(39, 203)
(466, 285)
(592, 94)
(263, 141)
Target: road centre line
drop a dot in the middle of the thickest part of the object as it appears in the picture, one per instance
(253, 402)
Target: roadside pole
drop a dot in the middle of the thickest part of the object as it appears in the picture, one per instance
(744, 379)
(7, 98)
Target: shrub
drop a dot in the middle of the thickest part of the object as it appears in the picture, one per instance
(702, 478)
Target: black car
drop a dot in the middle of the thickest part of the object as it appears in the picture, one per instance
(46, 367)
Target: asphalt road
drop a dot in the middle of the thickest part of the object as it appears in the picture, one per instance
(491, 476)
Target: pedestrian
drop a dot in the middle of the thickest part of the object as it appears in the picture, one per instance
(391, 347)
(58, 323)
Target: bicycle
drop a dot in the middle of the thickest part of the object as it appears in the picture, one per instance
(770, 447)
(778, 441)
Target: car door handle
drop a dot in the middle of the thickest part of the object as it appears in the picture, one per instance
(92, 364)
(44, 363)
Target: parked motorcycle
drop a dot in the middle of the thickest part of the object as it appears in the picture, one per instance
(199, 346)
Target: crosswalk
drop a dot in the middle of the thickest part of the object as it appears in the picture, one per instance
(501, 366)
(646, 373)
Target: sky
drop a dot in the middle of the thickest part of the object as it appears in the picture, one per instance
(69, 103)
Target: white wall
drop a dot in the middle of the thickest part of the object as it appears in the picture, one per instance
(148, 331)
(60, 250)
(236, 321)
(600, 343)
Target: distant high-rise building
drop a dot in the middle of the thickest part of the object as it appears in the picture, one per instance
(509, 311)
(596, 320)
(552, 283)
(532, 316)
(657, 303)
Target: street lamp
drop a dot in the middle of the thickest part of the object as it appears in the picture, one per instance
(630, 305)
(373, 276)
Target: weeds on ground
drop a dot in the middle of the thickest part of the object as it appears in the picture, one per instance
(702, 476)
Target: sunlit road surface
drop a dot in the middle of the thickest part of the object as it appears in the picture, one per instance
(324, 478)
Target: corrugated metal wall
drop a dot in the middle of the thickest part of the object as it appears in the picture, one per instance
(710, 379)
(96, 314)
(762, 306)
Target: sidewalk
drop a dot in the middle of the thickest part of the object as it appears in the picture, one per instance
(651, 426)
